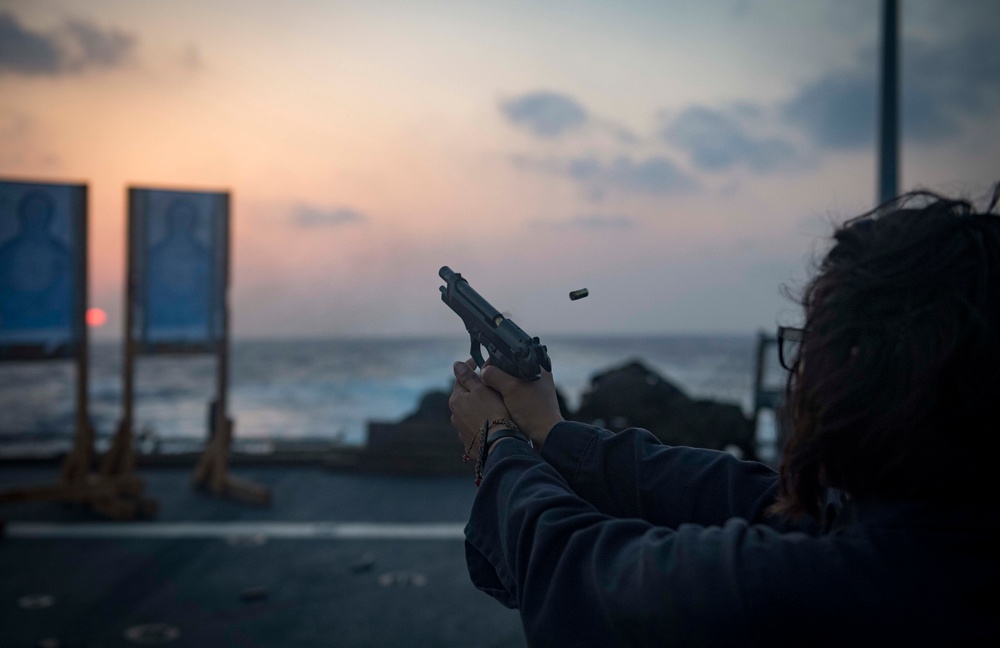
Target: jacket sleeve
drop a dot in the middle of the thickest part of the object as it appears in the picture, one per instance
(632, 475)
(583, 578)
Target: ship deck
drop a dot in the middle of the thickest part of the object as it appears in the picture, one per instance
(337, 559)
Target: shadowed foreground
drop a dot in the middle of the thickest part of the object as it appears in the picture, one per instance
(204, 573)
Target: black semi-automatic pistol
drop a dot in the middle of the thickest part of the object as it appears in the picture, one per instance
(509, 347)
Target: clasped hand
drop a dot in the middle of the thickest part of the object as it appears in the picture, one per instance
(533, 406)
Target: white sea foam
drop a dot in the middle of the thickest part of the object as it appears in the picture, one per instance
(331, 388)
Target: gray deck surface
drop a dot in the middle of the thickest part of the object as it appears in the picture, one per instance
(415, 593)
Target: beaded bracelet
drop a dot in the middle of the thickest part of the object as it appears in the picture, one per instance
(466, 457)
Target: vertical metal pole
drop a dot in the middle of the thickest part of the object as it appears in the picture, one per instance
(76, 470)
(758, 386)
(130, 291)
(223, 352)
(889, 108)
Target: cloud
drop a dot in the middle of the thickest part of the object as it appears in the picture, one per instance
(306, 216)
(837, 110)
(716, 142)
(98, 48)
(651, 176)
(595, 222)
(76, 47)
(25, 52)
(940, 85)
(655, 175)
(546, 114)
(946, 82)
(619, 134)
(955, 19)
(602, 221)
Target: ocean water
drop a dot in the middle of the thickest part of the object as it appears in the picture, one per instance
(287, 389)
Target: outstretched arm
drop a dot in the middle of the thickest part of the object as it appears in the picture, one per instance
(631, 474)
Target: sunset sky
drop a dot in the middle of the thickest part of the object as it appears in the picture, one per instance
(680, 160)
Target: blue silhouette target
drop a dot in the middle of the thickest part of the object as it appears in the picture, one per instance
(179, 243)
(42, 246)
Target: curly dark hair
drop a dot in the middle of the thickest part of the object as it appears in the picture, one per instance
(895, 389)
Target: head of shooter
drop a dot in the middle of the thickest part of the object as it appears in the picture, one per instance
(894, 393)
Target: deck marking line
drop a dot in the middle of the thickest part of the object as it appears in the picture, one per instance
(272, 530)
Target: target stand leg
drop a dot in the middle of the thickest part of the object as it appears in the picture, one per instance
(212, 471)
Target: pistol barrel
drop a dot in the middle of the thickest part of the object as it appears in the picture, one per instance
(459, 288)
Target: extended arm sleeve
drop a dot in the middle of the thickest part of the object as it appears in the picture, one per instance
(632, 475)
(582, 578)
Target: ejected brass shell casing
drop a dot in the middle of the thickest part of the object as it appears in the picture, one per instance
(579, 294)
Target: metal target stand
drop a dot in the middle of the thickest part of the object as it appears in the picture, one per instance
(212, 470)
(118, 496)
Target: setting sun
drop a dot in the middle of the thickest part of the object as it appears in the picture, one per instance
(96, 317)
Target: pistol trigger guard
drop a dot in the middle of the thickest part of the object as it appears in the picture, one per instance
(477, 353)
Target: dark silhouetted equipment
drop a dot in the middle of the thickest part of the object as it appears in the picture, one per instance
(769, 394)
(579, 294)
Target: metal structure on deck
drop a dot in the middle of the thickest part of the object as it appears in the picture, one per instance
(888, 183)
(212, 470)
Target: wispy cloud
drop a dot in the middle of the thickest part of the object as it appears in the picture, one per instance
(941, 84)
(550, 115)
(602, 221)
(544, 113)
(944, 83)
(619, 133)
(837, 110)
(595, 222)
(96, 47)
(26, 52)
(716, 141)
(952, 81)
(76, 47)
(308, 216)
(654, 175)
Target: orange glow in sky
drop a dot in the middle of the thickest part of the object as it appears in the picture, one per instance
(96, 317)
(681, 160)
